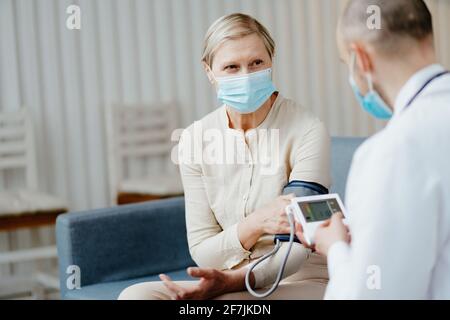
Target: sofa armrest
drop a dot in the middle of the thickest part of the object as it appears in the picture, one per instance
(123, 242)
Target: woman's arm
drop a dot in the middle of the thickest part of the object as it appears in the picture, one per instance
(270, 219)
(249, 231)
(311, 162)
(311, 159)
(210, 246)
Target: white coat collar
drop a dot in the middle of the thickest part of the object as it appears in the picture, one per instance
(413, 85)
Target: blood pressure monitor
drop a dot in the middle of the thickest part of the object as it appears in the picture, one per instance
(312, 211)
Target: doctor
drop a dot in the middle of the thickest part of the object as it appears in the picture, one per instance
(398, 193)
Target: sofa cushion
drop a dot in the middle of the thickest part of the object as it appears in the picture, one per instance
(123, 242)
(111, 290)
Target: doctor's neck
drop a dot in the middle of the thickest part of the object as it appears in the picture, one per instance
(395, 71)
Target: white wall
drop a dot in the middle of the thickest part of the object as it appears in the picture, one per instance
(146, 51)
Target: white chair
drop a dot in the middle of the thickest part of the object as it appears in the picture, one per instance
(24, 207)
(135, 134)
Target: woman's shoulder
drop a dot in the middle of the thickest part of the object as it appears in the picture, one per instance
(292, 111)
(213, 119)
(210, 121)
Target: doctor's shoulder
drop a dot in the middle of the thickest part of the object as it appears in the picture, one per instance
(390, 147)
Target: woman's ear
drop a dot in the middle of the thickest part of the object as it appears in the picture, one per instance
(209, 72)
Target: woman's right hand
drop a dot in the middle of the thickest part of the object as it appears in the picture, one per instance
(269, 219)
(272, 218)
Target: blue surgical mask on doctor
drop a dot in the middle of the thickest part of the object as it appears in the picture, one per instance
(372, 101)
(246, 93)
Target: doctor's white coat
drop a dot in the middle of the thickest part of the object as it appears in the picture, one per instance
(398, 203)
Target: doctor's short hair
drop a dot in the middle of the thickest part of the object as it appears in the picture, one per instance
(230, 27)
(401, 20)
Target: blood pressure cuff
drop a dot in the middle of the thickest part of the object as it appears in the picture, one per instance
(304, 188)
(300, 189)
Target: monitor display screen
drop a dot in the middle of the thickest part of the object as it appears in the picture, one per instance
(319, 210)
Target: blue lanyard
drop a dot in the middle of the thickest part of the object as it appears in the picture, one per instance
(426, 85)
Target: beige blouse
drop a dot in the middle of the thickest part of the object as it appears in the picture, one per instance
(227, 174)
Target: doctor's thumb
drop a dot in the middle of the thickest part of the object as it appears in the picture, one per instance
(337, 216)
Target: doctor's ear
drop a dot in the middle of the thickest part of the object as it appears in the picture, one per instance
(209, 72)
(363, 60)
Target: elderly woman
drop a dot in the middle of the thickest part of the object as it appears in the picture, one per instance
(235, 206)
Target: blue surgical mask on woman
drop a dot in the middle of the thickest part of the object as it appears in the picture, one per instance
(246, 93)
(372, 101)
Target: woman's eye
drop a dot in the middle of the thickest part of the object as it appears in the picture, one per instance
(231, 67)
(256, 63)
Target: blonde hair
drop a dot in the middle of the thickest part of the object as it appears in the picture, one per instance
(234, 26)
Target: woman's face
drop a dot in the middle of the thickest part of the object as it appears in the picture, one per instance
(240, 56)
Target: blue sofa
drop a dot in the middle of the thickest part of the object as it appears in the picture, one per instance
(120, 246)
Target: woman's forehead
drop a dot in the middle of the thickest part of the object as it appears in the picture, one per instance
(243, 48)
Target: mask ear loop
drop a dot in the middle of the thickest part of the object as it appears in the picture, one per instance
(352, 68)
(209, 70)
(352, 71)
(369, 81)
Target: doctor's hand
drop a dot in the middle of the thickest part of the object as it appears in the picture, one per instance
(301, 236)
(330, 232)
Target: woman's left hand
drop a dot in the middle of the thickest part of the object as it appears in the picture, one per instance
(212, 283)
